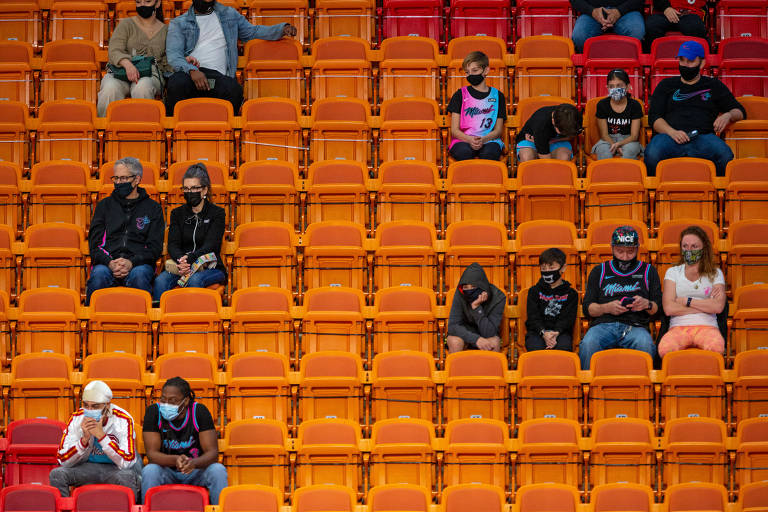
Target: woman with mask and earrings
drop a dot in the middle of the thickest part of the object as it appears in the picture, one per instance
(694, 294)
(133, 39)
(195, 232)
(181, 442)
(619, 120)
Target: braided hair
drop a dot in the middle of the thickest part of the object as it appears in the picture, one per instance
(183, 386)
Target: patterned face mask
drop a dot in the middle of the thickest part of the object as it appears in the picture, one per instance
(692, 256)
(616, 93)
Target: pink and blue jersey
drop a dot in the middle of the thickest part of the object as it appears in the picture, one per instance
(478, 117)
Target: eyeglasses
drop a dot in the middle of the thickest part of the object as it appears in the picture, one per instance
(123, 179)
(191, 189)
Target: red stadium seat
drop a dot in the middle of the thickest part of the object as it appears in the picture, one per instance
(744, 65)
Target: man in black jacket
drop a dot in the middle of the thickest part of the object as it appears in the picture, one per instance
(126, 233)
(476, 313)
(623, 17)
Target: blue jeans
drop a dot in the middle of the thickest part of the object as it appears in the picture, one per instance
(631, 24)
(214, 478)
(101, 277)
(614, 335)
(200, 279)
(708, 146)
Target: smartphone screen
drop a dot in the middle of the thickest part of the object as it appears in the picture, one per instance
(211, 83)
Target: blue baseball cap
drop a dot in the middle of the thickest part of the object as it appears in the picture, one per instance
(690, 50)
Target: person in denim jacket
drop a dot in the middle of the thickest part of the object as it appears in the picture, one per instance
(201, 47)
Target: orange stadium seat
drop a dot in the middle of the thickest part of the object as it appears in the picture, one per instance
(476, 452)
(743, 65)
(10, 199)
(323, 498)
(543, 67)
(197, 369)
(149, 177)
(599, 240)
(405, 318)
(346, 18)
(18, 497)
(623, 171)
(78, 20)
(333, 320)
(475, 386)
(66, 131)
(269, 12)
(334, 255)
(257, 387)
(668, 240)
(341, 66)
(487, 498)
(59, 193)
(255, 453)
(408, 64)
(692, 385)
(741, 18)
(749, 329)
(179, 497)
(327, 452)
(202, 130)
(753, 497)
(21, 21)
(548, 451)
(240, 497)
(620, 385)
(402, 453)
(694, 451)
(548, 386)
(485, 18)
(546, 496)
(751, 451)
(217, 192)
(696, 496)
(336, 190)
(271, 131)
(472, 241)
(29, 457)
(405, 255)
(747, 260)
(746, 194)
(190, 320)
(265, 255)
(266, 191)
(124, 374)
(330, 386)
(622, 450)
(750, 386)
(747, 138)
(409, 130)
(340, 130)
(16, 80)
(14, 139)
(615, 189)
(493, 47)
(40, 388)
(686, 189)
(544, 17)
(546, 190)
(477, 191)
(533, 237)
(53, 256)
(5, 332)
(622, 496)
(398, 497)
(127, 8)
(408, 191)
(273, 68)
(664, 62)
(403, 388)
(70, 71)
(49, 322)
(604, 53)
(261, 321)
(135, 127)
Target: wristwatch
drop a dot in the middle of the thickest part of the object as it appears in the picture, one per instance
(688, 302)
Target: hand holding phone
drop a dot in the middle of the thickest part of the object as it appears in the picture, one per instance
(627, 301)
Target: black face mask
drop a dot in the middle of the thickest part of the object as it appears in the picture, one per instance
(624, 265)
(688, 73)
(145, 11)
(203, 7)
(471, 295)
(550, 276)
(124, 189)
(475, 79)
(193, 198)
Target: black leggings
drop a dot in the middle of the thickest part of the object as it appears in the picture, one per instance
(463, 151)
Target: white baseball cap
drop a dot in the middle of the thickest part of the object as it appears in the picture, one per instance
(97, 391)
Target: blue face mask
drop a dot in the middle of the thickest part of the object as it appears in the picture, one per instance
(93, 414)
(168, 411)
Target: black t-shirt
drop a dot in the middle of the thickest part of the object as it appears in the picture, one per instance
(619, 122)
(182, 435)
(455, 104)
(540, 126)
(691, 107)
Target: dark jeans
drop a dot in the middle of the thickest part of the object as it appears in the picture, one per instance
(463, 151)
(535, 342)
(181, 87)
(101, 277)
(200, 279)
(657, 25)
(708, 146)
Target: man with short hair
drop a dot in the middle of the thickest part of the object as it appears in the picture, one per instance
(98, 446)
(620, 298)
(126, 233)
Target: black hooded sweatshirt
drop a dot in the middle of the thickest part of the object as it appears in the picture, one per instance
(197, 234)
(551, 309)
(484, 321)
(127, 228)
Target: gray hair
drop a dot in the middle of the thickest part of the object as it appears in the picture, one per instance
(133, 165)
(200, 172)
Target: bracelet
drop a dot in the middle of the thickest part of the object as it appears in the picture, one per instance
(688, 302)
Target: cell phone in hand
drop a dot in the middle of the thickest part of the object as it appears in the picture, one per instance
(211, 83)
(627, 301)
(692, 134)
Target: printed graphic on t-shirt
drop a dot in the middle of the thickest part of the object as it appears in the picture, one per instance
(705, 94)
(554, 303)
(615, 123)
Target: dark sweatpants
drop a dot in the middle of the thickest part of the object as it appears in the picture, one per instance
(181, 87)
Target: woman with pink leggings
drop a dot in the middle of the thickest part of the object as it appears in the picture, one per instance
(694, 293)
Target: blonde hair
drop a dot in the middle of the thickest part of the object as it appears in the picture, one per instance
(478, 57)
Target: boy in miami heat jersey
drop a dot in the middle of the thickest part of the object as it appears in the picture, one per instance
(477, 112)
(621, 296)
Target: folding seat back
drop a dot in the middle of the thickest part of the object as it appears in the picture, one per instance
(696, 496)
(29, 457)
(78, 20)
(686, 189)
(741, 18)
(408, 64)
(694, 451)
(21, 21)
(622, 496)
(265, 255)
(348, 18)
(475, 386)
(402, 496)
(40, 388)
(746, 191)
(744, 64)
(622, 450)
(549, 385)
(119, 322)
(66, 131)
(543, 17)
(753, 497)
(615, 190)
(135, 127)
(533, 237)
(333, 320)
(405, 318)
(257, 386)
(14, 140)
(747, 253)
(620, 385)
(336, 190)
(543, 67)
(488, 498)
(262, 321)
(408, 191)
(197, 369)
(473, 241)
(668, 248)
(49, 322)
(409, 130)
(599, 240)
(692, 384)
(486, 18)
(493, 47)
(403, 386)
(323, 498)
(124, 374)
(16, 71)
(750, 388)
(749, 329)
(254, 452)
(328, 453)
(341, 65)
(202, 130)
(127, 8)
(7, 259)
(330, 386)
(70, 71)
(477, 191)
(217, 191)
(605, 53)
(269, 12)
(115, 498)
(340, 129)
(267, 191)
(476, 452)
(177, 497)
(190, 320)
(273, 68)
(59, 193)
(546, 190)
(334, 255)
(271, 130)
(22, 497)
(241, 497)
(6, 353)
(548, 451)
(547, 496)
(53, 256)
(405, 255)
(752, 450)
(747, 138)
(149, 176)
(402, 453)
(664, 62)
